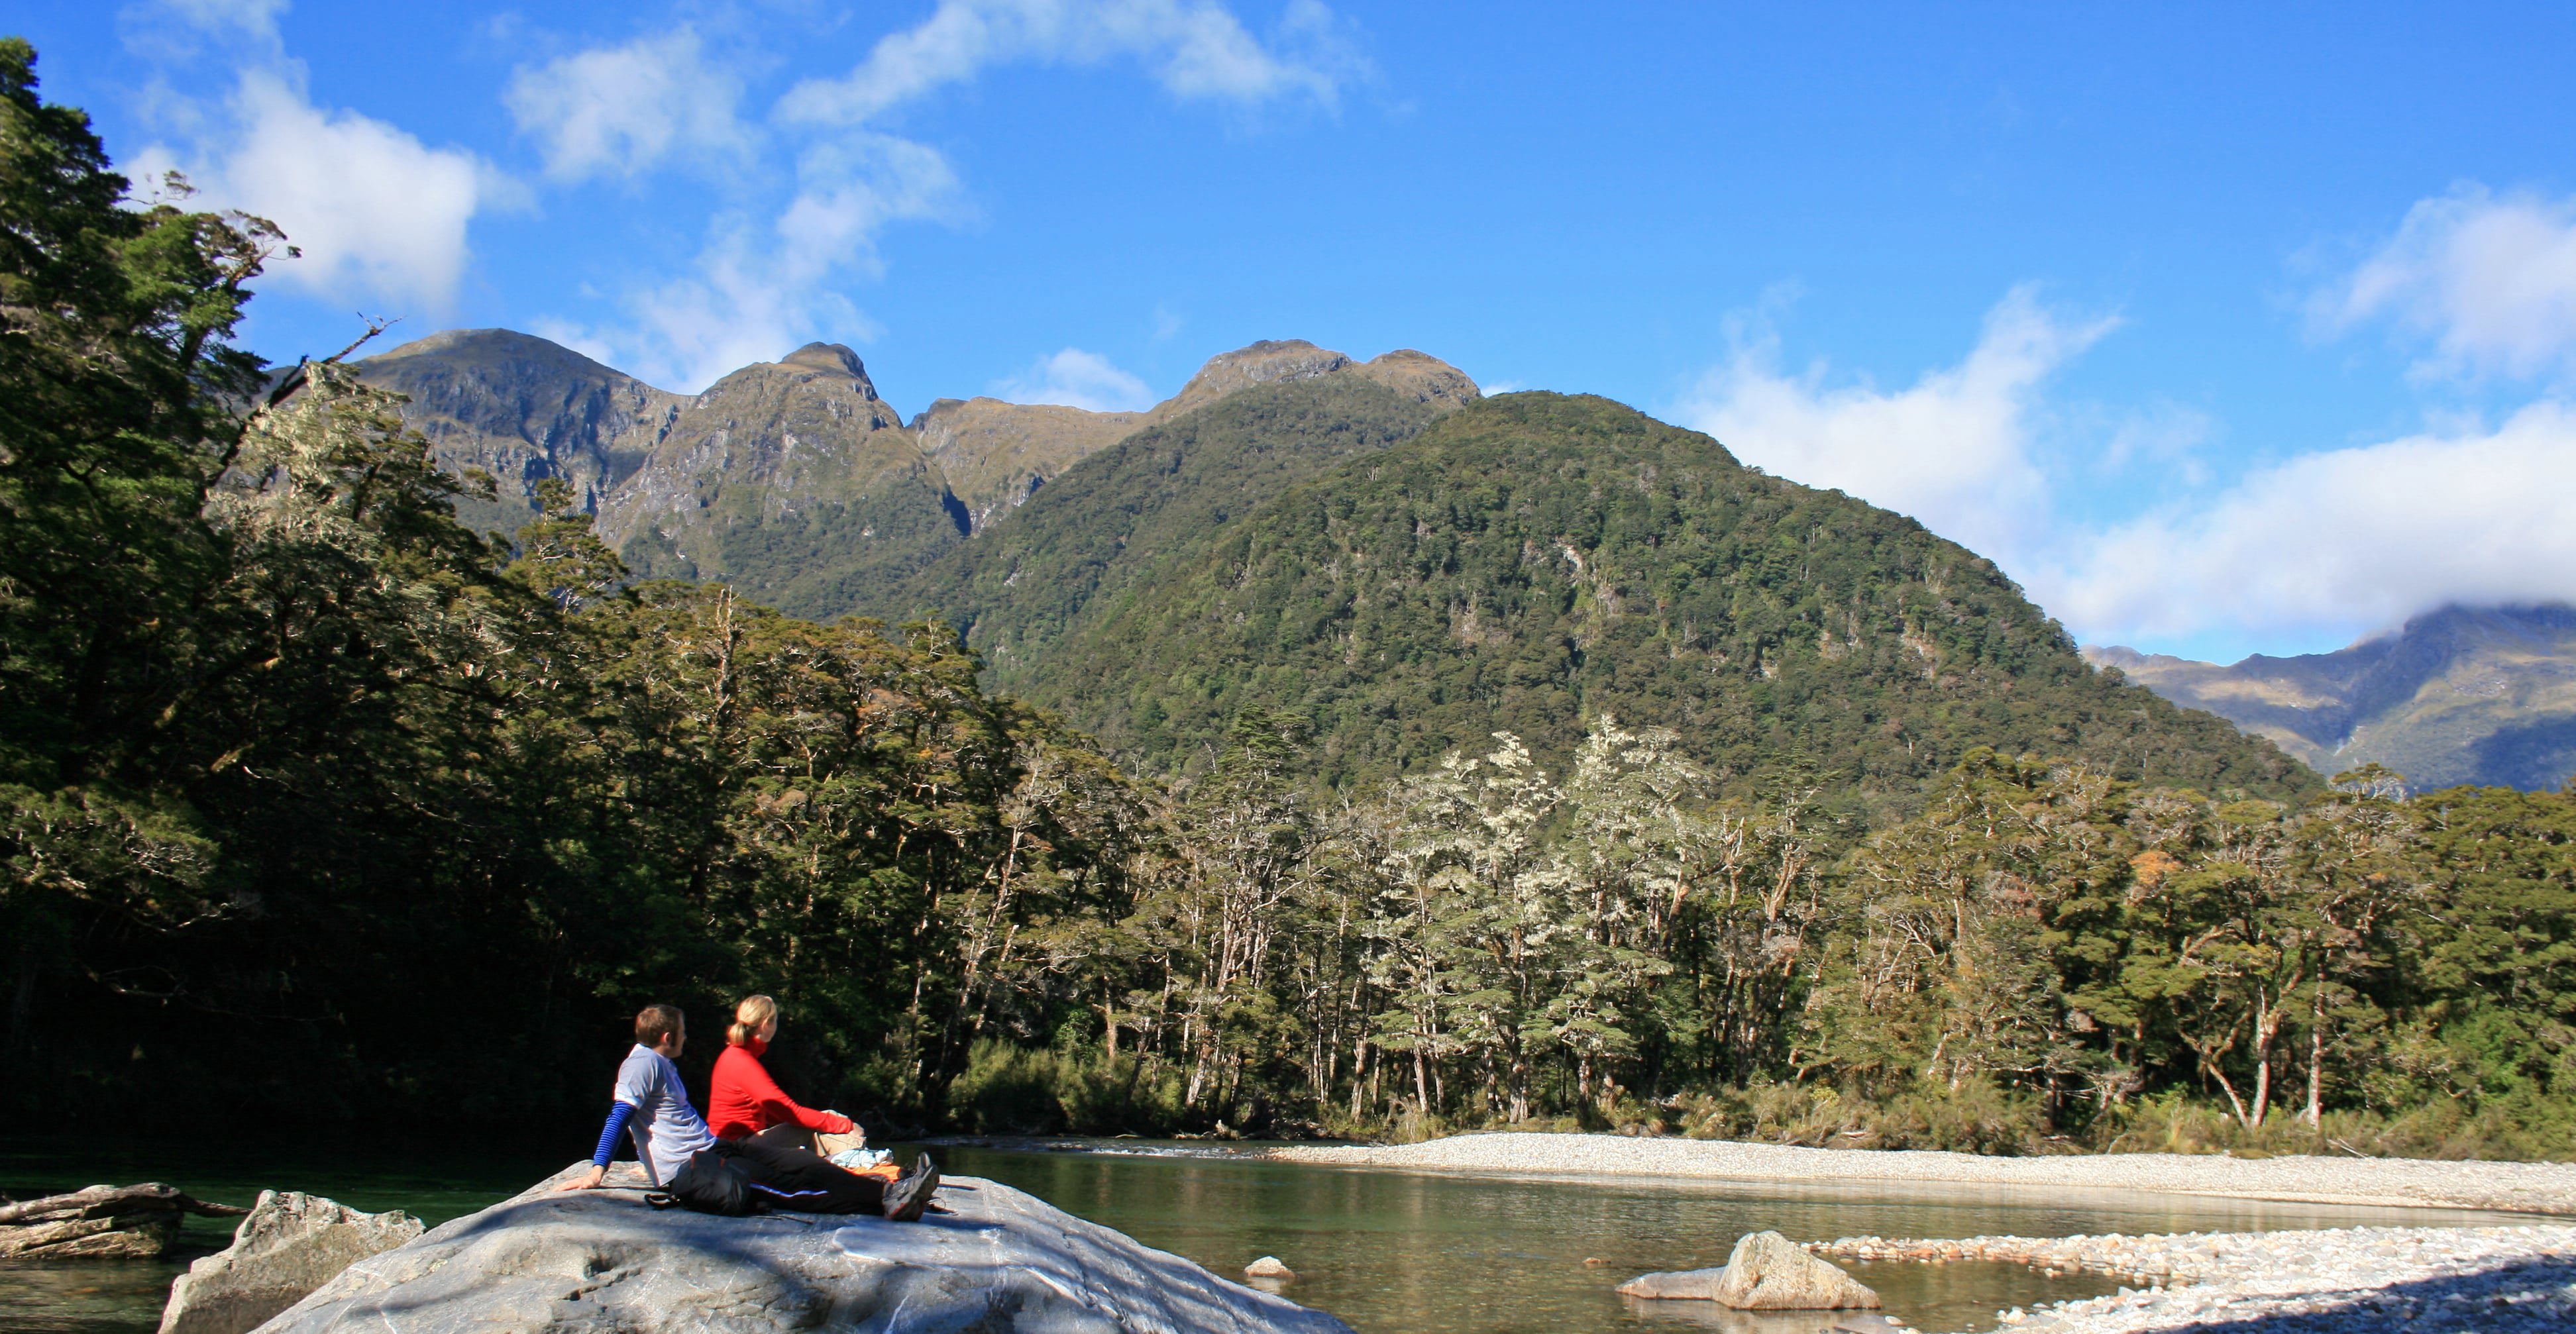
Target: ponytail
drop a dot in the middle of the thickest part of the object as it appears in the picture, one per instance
(748, 1017)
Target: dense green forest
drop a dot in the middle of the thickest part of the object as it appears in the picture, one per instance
(1136, 514)
(1411, 585)
(315, 806)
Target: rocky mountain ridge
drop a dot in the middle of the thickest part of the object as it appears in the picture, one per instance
(2482, 695)
(793, 479)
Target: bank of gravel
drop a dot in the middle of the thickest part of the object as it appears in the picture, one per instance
(2492, 1280)
(2548, 1188)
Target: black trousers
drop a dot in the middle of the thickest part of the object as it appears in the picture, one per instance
(790, 1175)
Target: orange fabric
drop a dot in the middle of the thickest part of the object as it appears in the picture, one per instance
(743, 1100)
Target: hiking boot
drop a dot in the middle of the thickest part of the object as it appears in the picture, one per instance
(910, 1193)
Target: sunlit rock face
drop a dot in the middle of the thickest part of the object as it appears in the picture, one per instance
(996, 1260)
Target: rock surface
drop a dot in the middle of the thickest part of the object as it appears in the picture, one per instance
(996, 1262)
(1268, 1266)
(1765, 1272)
(290, 1244)
(995, 455)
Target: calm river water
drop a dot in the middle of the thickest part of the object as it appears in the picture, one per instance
(1392, 1253)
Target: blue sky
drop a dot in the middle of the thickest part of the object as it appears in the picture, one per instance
(2224, 330)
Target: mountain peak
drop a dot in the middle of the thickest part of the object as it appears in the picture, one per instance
(490, 348)
(1423, 378)
(1266, 362)
(830, 358)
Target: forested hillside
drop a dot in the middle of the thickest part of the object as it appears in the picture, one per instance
(1525, 564)
(320, 809)
(1127, 519)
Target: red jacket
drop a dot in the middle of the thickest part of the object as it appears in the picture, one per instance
(744, 1100)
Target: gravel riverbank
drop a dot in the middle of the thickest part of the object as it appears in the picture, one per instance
(2493, 1280)
(2548, 1188)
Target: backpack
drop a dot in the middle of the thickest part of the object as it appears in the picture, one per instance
(710, 1184)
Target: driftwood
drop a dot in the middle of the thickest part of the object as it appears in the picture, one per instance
(124, 1221)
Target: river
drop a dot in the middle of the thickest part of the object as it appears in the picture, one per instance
(1389, 1252)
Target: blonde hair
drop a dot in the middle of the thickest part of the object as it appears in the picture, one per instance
(748, 1017)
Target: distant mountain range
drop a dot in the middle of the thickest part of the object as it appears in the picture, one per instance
(793, 480)
(2459, 695)
(1372, 546)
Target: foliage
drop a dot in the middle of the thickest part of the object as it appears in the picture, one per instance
(1135, 514)
(1524, 564)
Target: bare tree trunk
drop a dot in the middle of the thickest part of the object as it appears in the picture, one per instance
(2317, 1059)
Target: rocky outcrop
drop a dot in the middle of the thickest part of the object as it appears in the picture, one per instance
(995, 455)
(1766, 1272)
(1270, 361)
(1423, 378)
(100, 1222)
(792, 480)
(994, 1261)
(522, 408)
(290, 1244)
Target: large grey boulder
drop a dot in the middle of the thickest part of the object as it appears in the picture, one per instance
(997, 1262)
(1766, 1272)
(290, 1244)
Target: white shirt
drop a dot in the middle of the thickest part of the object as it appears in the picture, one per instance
(665, 1127)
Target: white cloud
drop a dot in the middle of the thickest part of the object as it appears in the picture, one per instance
(2490, 279)
(757, 293)
(2342, 538)
(619, 110)
(172, 31)
(1955, 450)
(377, 214)
(2314, 548)
(252, 18)
(1195, 48)
(1077, 379)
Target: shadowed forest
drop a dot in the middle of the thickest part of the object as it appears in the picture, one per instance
(317, 806)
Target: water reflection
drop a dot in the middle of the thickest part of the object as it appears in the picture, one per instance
(1710, 1315)
(1412, 1253)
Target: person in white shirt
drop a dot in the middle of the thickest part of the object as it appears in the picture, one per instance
(651, 1104)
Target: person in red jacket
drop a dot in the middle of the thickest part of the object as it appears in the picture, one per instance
(743, 1100)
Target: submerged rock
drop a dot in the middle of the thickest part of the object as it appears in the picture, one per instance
(1766, 1272)
(995, 1261)
(290, 1244)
